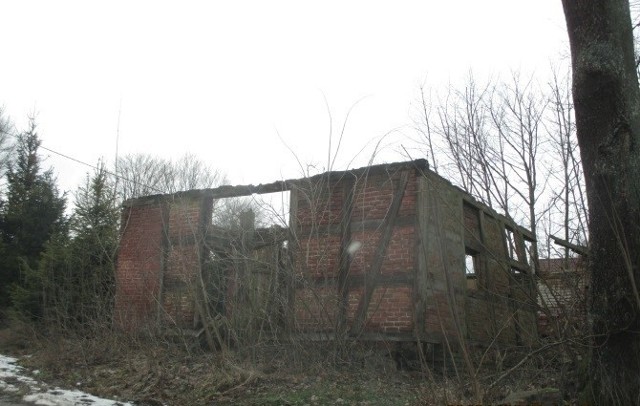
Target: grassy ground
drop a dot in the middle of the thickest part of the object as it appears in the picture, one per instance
(154, 372)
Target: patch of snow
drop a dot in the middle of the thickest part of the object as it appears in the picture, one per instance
(60, 397)
(13, 379)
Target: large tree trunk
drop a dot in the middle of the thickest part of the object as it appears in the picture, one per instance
(607, 106)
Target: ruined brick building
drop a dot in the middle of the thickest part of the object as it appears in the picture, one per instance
(386, 252)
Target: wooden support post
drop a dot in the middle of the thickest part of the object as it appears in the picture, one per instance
(488, 285)
(164, 263)
(420, 292)
(372, 281)
(247, 229)
(345, 255)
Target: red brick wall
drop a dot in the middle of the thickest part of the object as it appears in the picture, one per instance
(390, 310)
(139, 265)
(421, 286)
(158, 262)
(400, 255)
(183, 261)
(319, 256)
(320, 224)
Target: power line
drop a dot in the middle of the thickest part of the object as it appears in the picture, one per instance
(96, 168)
(106, 171)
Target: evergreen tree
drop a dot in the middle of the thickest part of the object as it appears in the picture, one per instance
(6, 132)
(95, 237)
(78, 271)
(32, 213)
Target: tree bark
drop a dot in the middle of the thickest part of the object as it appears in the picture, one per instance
(607, 107)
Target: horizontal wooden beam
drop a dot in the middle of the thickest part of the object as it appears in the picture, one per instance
(228, 191)
(579, 249)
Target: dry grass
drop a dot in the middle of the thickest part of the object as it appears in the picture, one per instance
(154, 371)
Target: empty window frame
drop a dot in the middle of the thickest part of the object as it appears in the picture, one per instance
(510, 242)
(471, 268)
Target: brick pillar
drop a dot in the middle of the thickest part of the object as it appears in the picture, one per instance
(139, 264)
(182, 284)
(157, 271)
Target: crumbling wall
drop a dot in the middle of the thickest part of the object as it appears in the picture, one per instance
(354, 252)
(140, 260)
(368, 269)
(159, 261)
(500, 301)
(442, 246)
(374, 253)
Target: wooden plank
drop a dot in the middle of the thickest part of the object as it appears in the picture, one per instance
(356, 281)
(511, 263)
(372, 225)
(578, 249)
(291, 252)
(164, 263)
(336, 229)
(306, 231)
(420, 290)
(403, 279)
(487, 280)
(227, 191)
(379, 255)
(349, 190)
(244, 254)
(408, 337)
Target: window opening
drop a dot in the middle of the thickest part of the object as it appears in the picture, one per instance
(511, 244)
(470, 265)
(471, 268)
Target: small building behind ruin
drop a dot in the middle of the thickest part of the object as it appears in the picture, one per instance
(387, 252)
(563, 289)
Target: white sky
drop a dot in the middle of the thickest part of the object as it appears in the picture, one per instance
(223, 79)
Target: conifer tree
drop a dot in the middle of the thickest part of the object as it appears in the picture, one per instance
(78, 270)
(94, 227)
(32, 213)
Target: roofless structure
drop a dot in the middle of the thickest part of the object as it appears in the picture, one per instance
(386, 252)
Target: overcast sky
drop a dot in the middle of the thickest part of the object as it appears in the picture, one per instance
(243, 83)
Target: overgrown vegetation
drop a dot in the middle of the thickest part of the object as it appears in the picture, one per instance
(152, 371)
(249, 358)
(511, 144)
(32, 215)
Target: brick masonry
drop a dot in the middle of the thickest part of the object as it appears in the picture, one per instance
(377, 252)
(139, 263)
(422, 289)
(159, 262)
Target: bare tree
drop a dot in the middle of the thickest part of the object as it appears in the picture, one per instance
(6, 130)
(567, 201)
(143, 174)
(139, 175)
(521, 135)
(461, 133)
(488, 139)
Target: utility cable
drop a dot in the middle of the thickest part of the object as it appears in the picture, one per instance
(155, 189)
